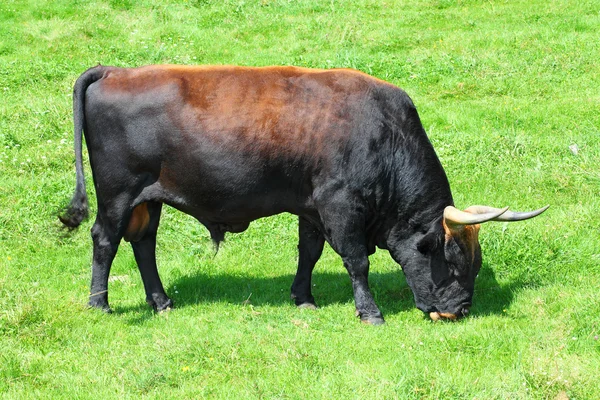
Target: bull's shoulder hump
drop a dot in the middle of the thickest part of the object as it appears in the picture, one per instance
(363, 75)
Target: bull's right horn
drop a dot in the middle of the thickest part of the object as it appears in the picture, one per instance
(454, 216)
(507, 215)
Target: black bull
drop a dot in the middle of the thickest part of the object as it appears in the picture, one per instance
(344, 151)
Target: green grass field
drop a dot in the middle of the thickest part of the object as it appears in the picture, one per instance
(504, 88)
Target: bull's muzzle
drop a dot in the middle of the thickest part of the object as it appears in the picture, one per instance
(436, 316)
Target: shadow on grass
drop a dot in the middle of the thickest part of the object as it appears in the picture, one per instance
(390, 291)
(492, 297)
(139, 313)
(328, 289)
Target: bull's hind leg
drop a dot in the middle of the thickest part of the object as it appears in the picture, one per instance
(106, 240)
(141, 232)
(310, 247)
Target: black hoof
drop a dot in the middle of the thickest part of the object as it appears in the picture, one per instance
(100, 304)
(370, 319)
(160, 302)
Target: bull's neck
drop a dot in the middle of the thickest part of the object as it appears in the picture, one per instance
(421, 189)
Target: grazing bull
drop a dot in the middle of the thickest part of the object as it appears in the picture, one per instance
(342, 150)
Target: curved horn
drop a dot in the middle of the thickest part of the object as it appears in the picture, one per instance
(507, 215)
(454, 216)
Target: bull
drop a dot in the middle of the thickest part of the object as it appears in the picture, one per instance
(344, 151)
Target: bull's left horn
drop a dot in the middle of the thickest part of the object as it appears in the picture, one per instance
(507, 215)
(454, 216)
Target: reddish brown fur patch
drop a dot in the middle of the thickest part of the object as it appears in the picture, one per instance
(276, 110)
(138, 223)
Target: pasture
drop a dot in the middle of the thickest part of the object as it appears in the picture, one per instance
(508, 92)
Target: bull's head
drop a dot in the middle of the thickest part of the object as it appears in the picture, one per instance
(454, 257)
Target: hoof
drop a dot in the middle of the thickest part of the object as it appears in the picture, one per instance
(308, 306)
(100, 302)
(160, 302)
(373, 321)
(304, 301)
(102, 307)
(370, 320)
(165, 307)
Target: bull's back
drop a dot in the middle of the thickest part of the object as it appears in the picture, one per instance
(278, 110)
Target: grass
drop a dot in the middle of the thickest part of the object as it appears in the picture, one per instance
(503, 89)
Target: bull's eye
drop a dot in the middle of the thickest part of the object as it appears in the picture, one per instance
(458, 270)
(455, 258)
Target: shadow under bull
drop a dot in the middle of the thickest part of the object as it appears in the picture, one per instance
(389, 289)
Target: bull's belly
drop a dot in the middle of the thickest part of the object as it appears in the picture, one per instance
(236, 209)
(219, 204)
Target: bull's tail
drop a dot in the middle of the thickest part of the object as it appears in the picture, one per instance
(77, 210)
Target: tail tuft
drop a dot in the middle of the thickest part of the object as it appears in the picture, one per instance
(76, 212)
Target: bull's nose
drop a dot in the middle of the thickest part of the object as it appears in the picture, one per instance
(464, 311)
(436, 316)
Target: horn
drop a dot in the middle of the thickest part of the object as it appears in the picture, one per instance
(507, 215)
(454, 216)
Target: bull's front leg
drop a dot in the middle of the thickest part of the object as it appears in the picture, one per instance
(366, 309)
(344, 224)
(310, 248)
